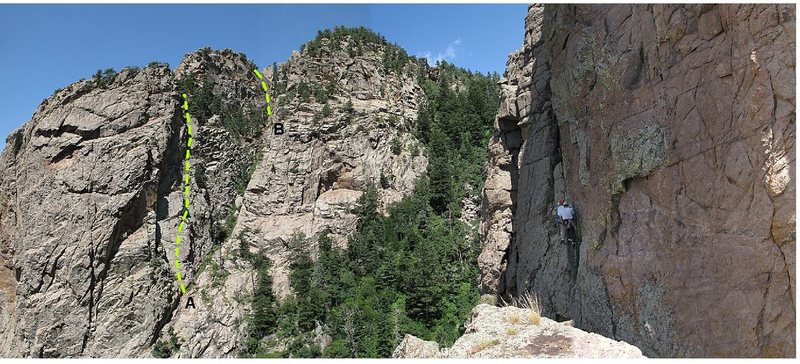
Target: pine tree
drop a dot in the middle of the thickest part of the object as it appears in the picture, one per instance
(264, 316)
(410, 269)
(439, 170)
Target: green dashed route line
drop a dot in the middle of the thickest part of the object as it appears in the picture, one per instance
(183, 223)
(187, 156)
(266, 91)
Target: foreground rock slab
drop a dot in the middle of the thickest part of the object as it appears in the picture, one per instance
(512, 332)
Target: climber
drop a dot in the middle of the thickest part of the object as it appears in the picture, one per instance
(556, 218)
(566, 214)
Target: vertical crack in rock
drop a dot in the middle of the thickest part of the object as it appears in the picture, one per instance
(92, 282)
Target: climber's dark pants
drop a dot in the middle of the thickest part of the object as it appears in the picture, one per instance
(564, 229)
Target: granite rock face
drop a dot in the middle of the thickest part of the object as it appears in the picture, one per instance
(81, 186)
(671, 129)
(507, 332)
(338, 142)
(91, 195)
(307, 181)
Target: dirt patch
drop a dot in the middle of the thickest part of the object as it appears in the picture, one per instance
(550, 345)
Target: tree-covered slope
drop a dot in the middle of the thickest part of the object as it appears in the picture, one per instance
(410, 267)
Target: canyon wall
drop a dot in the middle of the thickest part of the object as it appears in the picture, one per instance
(91, 193)
(671, 130)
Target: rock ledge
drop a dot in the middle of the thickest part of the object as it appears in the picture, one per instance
(507, 332)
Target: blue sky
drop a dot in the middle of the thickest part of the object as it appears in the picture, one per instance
(45, 47)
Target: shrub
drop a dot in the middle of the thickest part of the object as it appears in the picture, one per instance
(322, 94)
(100, 79)
(207, 259)
(200, 176)
(240, 123)
(385, 183)
(218, 274)
(134, 70)
(415, 150)
(394, 121)
(348, 110)
(395, 59)
(357, 40)
(407, 267)
(264, 315)
(511, 331)
(166, 348)
(157, 64)
(221, 231)
(324, 113)
(333, 39)
(205, 103)
(326, 110)
(230, 223)
(397, 146)
(155, 263)
(304, 91)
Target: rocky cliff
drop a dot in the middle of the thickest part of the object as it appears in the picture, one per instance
(91, 193)
(91, 201)
(342, 115)
(354, 131)
(671, 129)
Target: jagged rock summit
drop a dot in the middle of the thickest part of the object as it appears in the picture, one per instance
(512, 332)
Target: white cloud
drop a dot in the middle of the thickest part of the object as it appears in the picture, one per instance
(448, 54)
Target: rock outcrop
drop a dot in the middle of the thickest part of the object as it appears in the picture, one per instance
(335, 146)
(307, 180)
(508, 332)
(671, 128)
(91, 194)
(91, 201)
(81, 184)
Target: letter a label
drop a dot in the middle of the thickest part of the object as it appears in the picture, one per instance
(190, 302)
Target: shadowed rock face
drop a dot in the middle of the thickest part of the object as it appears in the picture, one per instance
(671, 128)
